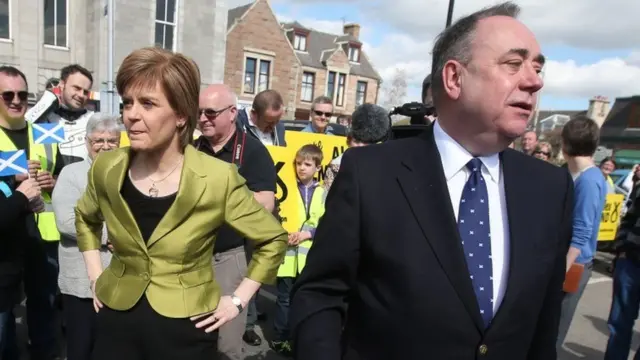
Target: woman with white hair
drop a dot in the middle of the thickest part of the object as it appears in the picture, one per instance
(103, 134)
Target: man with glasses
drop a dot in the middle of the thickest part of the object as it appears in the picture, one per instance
(75, 88)
(321, 113)
(222, 139)
(40, 238)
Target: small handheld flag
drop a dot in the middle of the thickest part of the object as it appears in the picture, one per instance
(48, 133)
(13, 163)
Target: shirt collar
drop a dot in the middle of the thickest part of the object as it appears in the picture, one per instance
(454, 157)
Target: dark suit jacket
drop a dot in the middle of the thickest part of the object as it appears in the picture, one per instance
(389, 248)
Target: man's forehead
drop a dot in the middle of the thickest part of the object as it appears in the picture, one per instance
(79, 80)
(503, 34)
(8, 82)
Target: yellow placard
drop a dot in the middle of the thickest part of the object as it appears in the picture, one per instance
(332, 146)
(610, 219)
(124, 139)
(286, 187)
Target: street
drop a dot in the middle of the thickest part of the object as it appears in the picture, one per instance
(587, 337)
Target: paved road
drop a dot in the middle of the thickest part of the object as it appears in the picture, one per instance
(586, 340)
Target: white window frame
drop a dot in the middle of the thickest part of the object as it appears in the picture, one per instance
(364, 94)
(354, 54)
(165, 23)
(299, 42)
(55, 27)
(259, 58)
(8, 39)
(303, 84)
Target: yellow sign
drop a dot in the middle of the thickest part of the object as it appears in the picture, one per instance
(286, 187)
(610, 217)
(332, 146)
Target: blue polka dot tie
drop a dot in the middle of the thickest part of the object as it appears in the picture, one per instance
(473, 224)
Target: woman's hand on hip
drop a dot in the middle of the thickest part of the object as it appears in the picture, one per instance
(225, 312)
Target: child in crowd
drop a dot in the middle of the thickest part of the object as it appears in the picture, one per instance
(307, 163)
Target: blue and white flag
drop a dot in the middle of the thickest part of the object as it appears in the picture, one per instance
(46, 133)
(13, 163)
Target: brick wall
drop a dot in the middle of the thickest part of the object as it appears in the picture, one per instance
(338, 62)
(259, 32)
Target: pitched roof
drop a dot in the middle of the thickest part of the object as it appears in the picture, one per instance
(236, 13)
(570, 113)
(623, 119)
(320, 47)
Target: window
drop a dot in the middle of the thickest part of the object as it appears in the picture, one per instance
(308, 80)
(342, 79)
(257, 73)
(165, 24)
(331, 84)
(5, 20)
(300, 42)
(354, 54)
(361, 92)
(265, 70)
(55, 23)
(250, 76)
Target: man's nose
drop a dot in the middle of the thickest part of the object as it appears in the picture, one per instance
(532, 80)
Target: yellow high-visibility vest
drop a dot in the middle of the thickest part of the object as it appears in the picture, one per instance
(296, 256)
(46, 220)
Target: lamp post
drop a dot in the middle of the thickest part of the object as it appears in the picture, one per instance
(450, 13)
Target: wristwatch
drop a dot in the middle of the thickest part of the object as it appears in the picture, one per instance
(237, 302)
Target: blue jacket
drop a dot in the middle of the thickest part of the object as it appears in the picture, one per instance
(590, 196)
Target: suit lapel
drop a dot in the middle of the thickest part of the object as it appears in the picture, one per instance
(522, 248)
(190, 191)
(424, 186)
(114, 180)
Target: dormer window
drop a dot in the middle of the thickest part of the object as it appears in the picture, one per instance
(354, 54)
(300, 42)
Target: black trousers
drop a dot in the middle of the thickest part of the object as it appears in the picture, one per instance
(80, 319)
(142, 334)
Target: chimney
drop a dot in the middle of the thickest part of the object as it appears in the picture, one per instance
(352, 29)
(598, 109)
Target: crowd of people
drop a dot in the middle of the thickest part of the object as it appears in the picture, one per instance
(451, 242)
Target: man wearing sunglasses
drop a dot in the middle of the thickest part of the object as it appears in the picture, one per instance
(321, 113)
(222, 139)
(40, 245)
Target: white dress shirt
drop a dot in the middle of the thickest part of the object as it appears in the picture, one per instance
(454, 159)
(265, 138)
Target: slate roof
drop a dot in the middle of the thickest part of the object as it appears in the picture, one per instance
(320, 47)
(623, 121)
(236, 13)
(570, 113)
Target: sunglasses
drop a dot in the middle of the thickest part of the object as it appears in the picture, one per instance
(542, 153)
(320, 113)
(212, 113)
(8, 96)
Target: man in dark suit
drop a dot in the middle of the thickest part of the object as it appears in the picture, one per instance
(448, 245)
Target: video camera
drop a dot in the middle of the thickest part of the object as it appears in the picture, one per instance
(416, 111)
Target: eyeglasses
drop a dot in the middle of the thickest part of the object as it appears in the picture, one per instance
(538, 152)
(8, 96)
(103, 142)
(212, 113)
(320, 113)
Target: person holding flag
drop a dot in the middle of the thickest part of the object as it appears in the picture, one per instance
(40, 237)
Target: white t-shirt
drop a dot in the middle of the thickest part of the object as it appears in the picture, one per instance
(75, 133)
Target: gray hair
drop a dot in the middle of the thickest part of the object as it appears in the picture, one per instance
(370, 123)
(321, 100)
(102, 122)
(455, 42)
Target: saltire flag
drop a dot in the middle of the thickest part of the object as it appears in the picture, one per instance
(46, 133)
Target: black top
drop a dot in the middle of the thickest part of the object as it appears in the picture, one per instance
(146, 210)
(20, 139)
(255, 165)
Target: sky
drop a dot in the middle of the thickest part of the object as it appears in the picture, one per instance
(592, 46)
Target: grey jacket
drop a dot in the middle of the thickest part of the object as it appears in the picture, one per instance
(73, 279)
